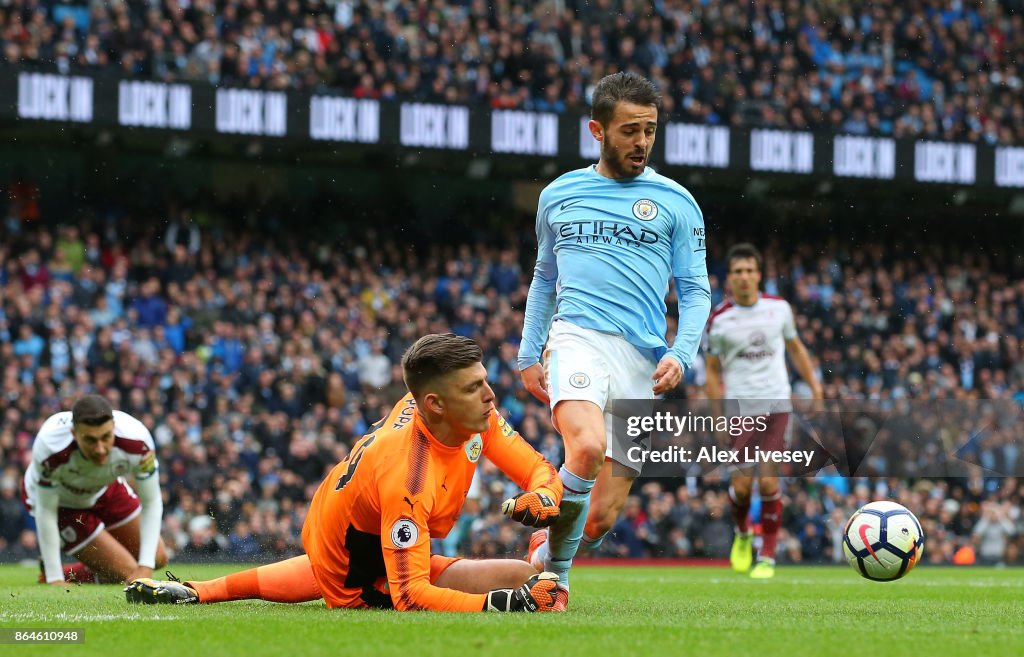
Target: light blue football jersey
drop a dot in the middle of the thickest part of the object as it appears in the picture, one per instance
(607, 249)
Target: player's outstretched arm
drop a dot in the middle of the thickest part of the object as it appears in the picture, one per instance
(149, 524)
(690, 274)
(537, 594)
(47, 501)
(408, 572)
(694, 302)
(538, 506)
(405, 544)
(406, 547)
(540, 307)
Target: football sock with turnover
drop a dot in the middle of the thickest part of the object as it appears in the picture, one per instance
(564, 536)
(587, 545)
(285, 581)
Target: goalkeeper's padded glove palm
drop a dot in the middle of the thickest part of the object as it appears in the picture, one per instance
(537, 594)
(532, 509)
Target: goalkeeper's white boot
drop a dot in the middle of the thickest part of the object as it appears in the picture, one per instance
(168, 592)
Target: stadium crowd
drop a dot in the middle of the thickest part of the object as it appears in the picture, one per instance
(256, 362)
(936, 68)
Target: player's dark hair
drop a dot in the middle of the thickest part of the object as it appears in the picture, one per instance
(92, 410)
(743, 251)
(433, 356)
(621, 87)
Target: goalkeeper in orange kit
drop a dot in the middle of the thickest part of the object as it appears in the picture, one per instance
(367, 534)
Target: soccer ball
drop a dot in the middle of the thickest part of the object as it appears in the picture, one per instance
(883, 541)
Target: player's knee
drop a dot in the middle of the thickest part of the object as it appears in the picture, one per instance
(582, 428)
(584, 460)
(590, 458)
(518, 574)
(585, 453)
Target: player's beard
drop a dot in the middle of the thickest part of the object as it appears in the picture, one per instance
(618, 163)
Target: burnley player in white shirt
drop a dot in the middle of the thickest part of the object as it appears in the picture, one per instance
(748, 339)
(75, 488)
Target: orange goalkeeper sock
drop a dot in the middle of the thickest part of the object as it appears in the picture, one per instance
(285, 581)
(288, 581)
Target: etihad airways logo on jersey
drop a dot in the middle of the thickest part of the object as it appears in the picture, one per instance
(605, 232)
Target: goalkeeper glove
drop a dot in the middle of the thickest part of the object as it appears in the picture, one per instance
(531, 509)
(537, 594)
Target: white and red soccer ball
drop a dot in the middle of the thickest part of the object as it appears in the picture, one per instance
(883, 541)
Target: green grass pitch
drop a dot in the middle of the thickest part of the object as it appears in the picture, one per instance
(613, 611)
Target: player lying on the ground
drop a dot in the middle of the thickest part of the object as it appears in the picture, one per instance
(368, 530)
(75, 489)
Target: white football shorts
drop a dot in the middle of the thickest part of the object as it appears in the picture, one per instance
(582, 364)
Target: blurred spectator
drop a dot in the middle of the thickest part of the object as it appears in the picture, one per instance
(930, 68)
(992, 532)
(25, 549)
(203, 542)
(12, 513)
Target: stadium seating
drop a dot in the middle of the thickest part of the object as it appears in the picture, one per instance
(929, 68)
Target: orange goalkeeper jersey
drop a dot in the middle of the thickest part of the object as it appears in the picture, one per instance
(369, 527)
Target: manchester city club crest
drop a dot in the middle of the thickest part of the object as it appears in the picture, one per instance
(645, 209)
(579, 380)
